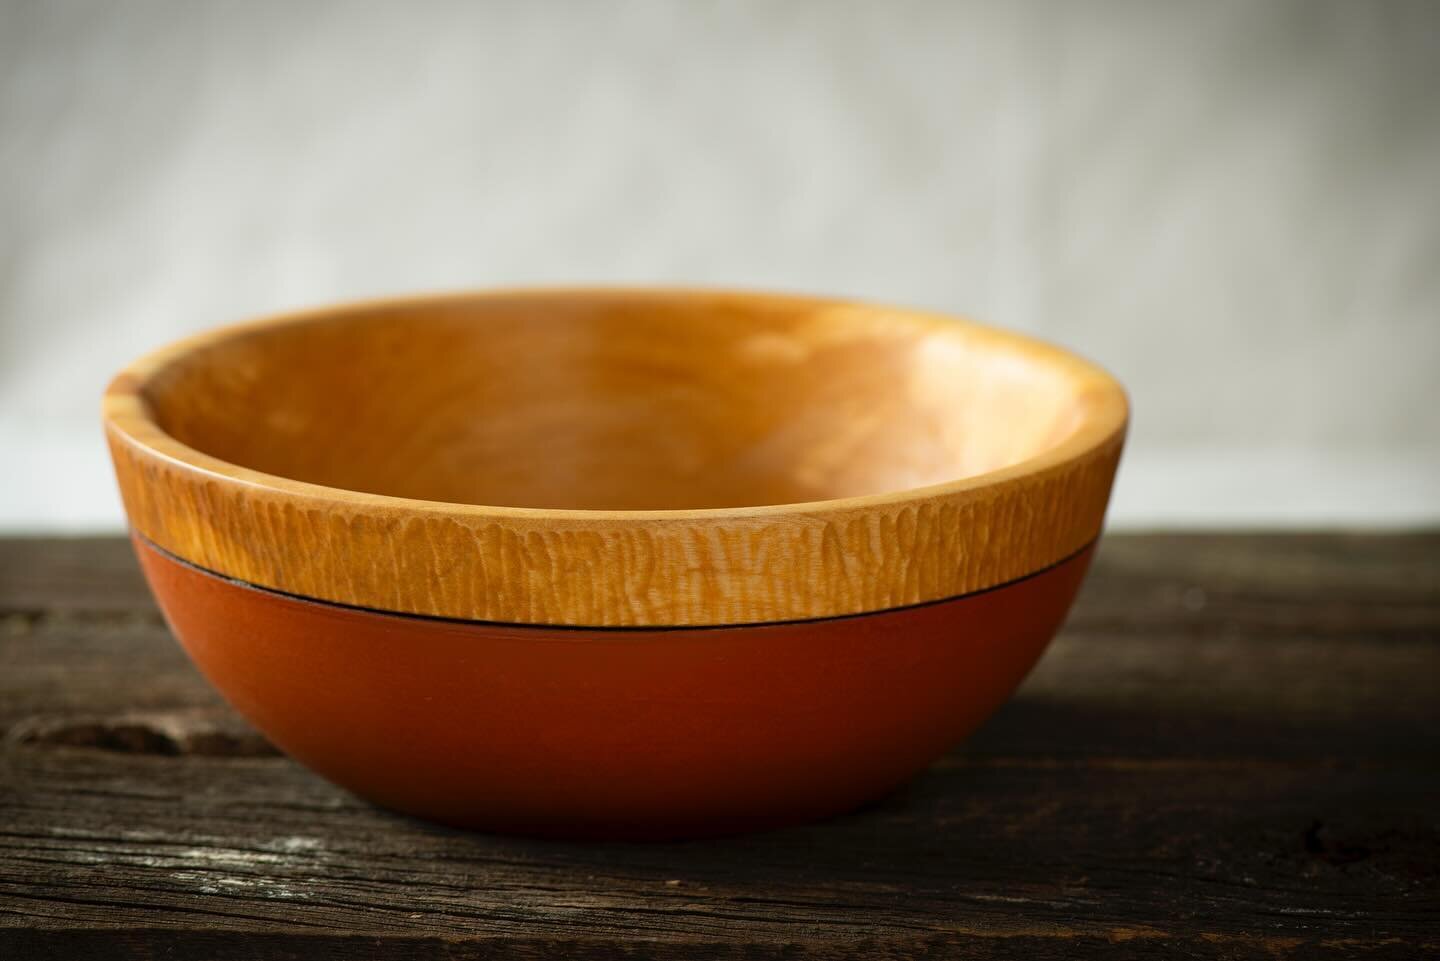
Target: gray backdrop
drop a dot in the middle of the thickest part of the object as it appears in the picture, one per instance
(1234, 206)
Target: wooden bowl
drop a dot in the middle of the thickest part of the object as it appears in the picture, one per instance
(615, 563)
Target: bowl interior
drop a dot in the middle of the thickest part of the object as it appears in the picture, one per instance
(619, 402)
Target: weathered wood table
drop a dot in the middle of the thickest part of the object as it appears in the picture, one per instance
(1233, 750)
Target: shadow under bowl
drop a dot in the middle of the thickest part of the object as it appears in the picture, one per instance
(615, 563)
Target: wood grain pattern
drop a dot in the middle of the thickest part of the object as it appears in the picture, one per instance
(617, 458)
(1229, 753)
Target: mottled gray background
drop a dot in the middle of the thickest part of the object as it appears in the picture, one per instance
(1233, 205)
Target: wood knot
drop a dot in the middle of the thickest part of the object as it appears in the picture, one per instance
(188, 733)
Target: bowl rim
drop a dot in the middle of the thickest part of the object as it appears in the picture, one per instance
(143, 451)
(124, 406)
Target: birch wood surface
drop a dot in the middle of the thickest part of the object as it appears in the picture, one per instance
(612, 458)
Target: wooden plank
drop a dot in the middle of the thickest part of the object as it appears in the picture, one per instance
(1315, 583)
(1233, 751)
(1215, 859)
(1144, 694)
(1179, 645)
(61, 575)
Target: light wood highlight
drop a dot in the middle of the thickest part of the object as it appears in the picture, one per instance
(616, 457)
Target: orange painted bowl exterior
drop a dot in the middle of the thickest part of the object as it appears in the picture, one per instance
(626, 733)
